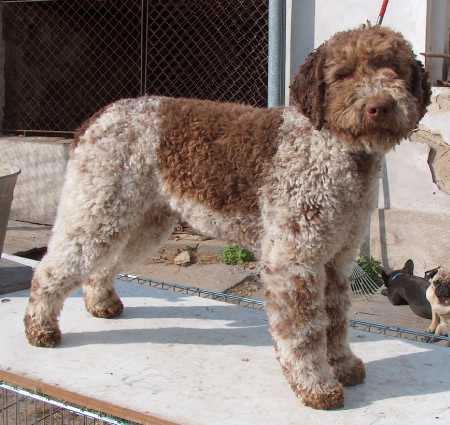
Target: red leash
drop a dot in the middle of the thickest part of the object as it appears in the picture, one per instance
(382, 12)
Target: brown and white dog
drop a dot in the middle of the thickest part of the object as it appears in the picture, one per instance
(438, 294)
(294, 183)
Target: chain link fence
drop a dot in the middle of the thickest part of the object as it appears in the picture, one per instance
(65, 59)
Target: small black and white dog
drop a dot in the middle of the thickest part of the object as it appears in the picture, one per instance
(403, 288)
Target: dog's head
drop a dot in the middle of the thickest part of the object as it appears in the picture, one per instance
(365, 86)
(440, 285)
(407, 270)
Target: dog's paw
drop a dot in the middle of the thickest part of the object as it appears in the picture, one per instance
(431, 329)
(324, 398)
(106, 309)
(41, 336)
(352, 372)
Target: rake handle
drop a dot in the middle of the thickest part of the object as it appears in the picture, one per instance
(382, 12)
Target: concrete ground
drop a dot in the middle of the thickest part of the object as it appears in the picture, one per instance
(194, 361)
(206, 271)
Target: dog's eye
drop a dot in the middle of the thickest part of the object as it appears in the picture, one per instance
(388, 66)
(342, 73)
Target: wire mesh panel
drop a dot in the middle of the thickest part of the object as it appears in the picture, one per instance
(64, 59)
(209, 49)
(21, 407)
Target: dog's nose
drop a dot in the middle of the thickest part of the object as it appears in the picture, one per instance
(380, 106)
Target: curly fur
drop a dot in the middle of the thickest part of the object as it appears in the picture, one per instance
(295, 184)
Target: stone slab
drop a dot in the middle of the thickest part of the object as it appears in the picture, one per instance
(216, 277)
(195, 361)
(22, 236)
(14, 276)
(407, 183)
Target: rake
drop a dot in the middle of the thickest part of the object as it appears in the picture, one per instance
(362, 285)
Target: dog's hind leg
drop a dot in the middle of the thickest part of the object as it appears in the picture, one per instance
(92, 228)
(155, 228)
(70, 259)
(348, 368)
(101, 299)
(295, 307)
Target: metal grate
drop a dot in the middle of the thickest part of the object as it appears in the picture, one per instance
(209, 49)
(257, 304)
(64, 60)
(22, 407)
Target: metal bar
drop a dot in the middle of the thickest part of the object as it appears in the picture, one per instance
(62, 405)
(276, 71)
(259, 305)
(399, 330)
(39, 132)
(27, 1)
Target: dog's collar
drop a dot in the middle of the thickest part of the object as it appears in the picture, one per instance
(396, 275)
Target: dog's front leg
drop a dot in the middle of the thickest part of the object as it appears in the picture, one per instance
(349, 369)
(298, 321)
(434, 322)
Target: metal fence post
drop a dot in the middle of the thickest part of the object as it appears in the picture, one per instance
(277, 25)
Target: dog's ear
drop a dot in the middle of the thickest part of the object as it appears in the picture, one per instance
(307, 91)
(429, 274)
(420, 86)
(409, 267)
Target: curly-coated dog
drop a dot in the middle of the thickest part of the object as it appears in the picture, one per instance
(295, 184)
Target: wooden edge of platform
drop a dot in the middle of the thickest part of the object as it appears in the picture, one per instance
(80, 401)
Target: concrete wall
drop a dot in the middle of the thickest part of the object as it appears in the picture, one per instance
(43, 162)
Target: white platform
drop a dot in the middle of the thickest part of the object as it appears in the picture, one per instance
(191, 361)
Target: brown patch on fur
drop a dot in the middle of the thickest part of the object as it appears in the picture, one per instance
(363, 163)
(217, 154)
(79, 132)
(325, 401)
(106, 311)
(40, 336)
(348, 368)
(308, 88)
(421, 87)
(351, 376)
(35, 285)
(107, 306)
(296, 309)
(337, 323)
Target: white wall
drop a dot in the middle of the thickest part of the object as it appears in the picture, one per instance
(407, 16)
(314, 21)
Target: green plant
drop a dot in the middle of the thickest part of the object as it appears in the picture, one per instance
(234, 254)
(372, 267)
